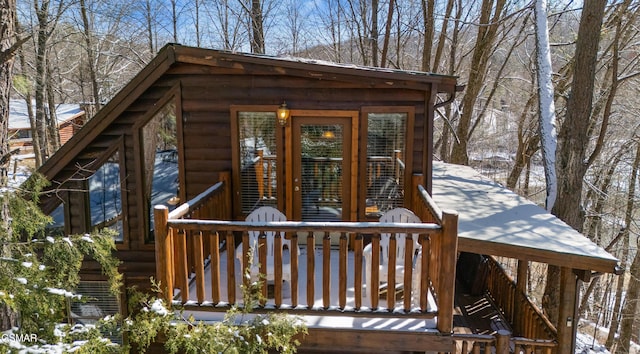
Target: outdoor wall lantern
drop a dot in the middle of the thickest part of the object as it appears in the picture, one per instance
(283, 114)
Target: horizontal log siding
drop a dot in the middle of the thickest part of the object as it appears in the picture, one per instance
(208, 92)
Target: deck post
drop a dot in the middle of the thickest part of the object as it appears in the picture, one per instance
(566, 315)
(163, 251)
(502, 341)
(446, 285)
(521, 290)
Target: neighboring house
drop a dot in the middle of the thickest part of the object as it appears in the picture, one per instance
(70, 118)
(208, 133)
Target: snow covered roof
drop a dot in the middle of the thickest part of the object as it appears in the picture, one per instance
(19, 118)
(494, 220)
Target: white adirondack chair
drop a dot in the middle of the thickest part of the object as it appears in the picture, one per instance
(261, 215)
(397, 215)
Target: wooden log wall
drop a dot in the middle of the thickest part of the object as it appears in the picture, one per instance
(207, 93)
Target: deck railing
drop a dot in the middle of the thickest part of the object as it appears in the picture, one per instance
(501, 343)
(175, 231)
(526, 318)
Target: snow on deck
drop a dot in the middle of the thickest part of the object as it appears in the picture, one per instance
(324, 319)
(510, 224)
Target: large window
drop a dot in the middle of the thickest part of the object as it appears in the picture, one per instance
(160, 154)
(105, 198)
(385, 164)
(257, 144)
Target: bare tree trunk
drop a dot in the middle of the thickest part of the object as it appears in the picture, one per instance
(90, 57)
(546, 106)
(149, 19)
(387, 34)
(615, 317)
(633, 291)
(374, 32)
(428, 11)
(528, 142)
(443, 36)
(41, 72)
(257, 30)
(485, 40)
(197, 22)
(573, 138)
(7, 51)
(52, 117)
(174, 19)
(28, 97)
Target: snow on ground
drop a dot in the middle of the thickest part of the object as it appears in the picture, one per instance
(22, 172)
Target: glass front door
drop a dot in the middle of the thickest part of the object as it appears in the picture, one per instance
(323, 166)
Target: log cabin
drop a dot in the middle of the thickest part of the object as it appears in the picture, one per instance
(200, 139)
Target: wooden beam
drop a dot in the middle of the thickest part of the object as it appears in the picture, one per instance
(567, 315)
(466, 244)
(330, 339)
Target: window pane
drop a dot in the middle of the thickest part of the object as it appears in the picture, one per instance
(257, 159)
(105, 201)
(322, 149)
(159, 139)
(385, 162)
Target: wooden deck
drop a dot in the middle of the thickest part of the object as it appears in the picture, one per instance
(327, 285)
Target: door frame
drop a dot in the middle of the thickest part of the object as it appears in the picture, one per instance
(351, 197)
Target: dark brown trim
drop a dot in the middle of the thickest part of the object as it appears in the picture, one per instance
(314, 70)
(466, 244)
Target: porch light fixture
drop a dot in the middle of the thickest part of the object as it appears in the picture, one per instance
(283, 114)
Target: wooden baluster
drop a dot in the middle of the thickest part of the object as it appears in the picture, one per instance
(214, 250)
(198, 264)
(375, 271)
(231, 268)
(269, 174)
(182, 272)
(262, 252)
(326, 270)
(277, 268)
(246, 248)
(189, 240)
(294, 269)
(311, 268)
(357, 278)
(465, 347)
(424, 276)
(259, 168)
(476, 348)
(171, 258)
(391, 273)
(342, 271)
(408, 272)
